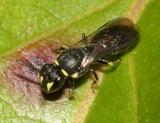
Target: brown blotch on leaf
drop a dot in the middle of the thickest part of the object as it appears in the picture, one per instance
(23, 80)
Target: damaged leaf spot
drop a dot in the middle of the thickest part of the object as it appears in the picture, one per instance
(24, 80)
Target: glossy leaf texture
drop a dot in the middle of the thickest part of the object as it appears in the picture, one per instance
(127, 94)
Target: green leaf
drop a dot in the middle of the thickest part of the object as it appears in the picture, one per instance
(129, 94)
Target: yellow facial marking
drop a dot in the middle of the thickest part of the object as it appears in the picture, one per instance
(41, 79)
(49, 85)
(64, 72)
(75, 75)
(56, 62)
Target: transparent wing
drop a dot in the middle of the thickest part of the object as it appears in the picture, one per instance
(111, 39)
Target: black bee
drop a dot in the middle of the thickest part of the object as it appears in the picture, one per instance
(100, 46)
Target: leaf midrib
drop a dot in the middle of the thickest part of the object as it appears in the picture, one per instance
(138, 6)
(131, 63)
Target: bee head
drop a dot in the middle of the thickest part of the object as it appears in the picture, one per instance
(51, 78)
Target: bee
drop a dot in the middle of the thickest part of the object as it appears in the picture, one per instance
(73, 62)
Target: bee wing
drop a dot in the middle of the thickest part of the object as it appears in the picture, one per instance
(111, 39)
(91, 39)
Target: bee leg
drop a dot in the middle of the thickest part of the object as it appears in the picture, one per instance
(60, 49)
(103, 61)
(95, 82)
(71, 88)
(84, 39)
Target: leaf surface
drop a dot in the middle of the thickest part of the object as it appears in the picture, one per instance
(128, 94)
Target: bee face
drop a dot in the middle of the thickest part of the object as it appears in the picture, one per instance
(52, 78)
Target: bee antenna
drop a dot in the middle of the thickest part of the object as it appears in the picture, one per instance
(27, 65)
